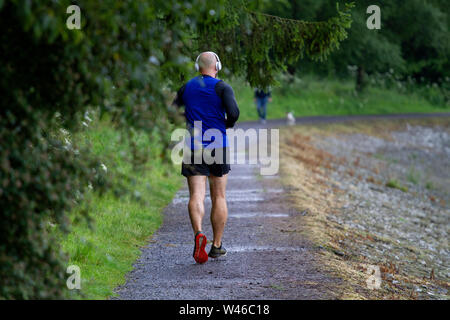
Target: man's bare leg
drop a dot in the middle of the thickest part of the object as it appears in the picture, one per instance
(196, 206)
(219, 210)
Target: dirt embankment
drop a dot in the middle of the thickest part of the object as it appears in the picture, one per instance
(375, 197)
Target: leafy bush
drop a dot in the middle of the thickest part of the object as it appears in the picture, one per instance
(48, 70)
(437, 94)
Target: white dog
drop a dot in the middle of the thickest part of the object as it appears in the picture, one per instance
(290, 118)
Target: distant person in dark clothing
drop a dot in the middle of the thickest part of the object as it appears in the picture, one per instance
(262, 97)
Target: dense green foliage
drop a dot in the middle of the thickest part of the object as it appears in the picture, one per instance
(123, 61)
(116, 61)
(414, 39)
(259, 46)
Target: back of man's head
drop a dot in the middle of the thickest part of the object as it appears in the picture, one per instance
(207, 61)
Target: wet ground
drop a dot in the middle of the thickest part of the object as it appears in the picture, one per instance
(263, 260)
(391, 203)
(271, 256)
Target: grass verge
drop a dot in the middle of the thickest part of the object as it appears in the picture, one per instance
(311, 96)
(106, 250)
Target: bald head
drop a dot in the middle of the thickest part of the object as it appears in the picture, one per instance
(207, 62)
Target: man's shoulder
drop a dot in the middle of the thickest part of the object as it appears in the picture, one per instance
(221, 85)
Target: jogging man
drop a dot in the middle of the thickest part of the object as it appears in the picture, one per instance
(210, 106)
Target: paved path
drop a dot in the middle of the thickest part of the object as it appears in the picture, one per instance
(264, 260)
(275, 123)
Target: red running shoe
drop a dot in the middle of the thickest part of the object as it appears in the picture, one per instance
(200, 255)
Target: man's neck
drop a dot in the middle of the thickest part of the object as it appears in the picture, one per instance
(206, 73)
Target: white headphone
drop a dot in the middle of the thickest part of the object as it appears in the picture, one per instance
(218, 63)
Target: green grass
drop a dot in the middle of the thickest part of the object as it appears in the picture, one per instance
(311, 96)
(396, 185)
(414, 176)
(106, 252)
(429, 185)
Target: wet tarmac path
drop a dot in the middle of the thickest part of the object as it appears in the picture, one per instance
(264, 261)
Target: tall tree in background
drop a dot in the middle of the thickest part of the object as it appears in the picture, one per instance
(368, 50)
(260, 45)
(297, 10)
(413, 40)
(421, 28)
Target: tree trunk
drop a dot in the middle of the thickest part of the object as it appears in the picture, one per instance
(291, 71)
(360, 81)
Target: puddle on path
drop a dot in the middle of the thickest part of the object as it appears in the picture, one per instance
(262, 248)
(242, 198)
(185, 193)
(251, 177)
(258, 215)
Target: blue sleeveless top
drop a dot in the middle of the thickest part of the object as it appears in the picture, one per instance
(204, 113)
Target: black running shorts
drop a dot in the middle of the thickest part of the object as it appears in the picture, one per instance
(205, 169)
